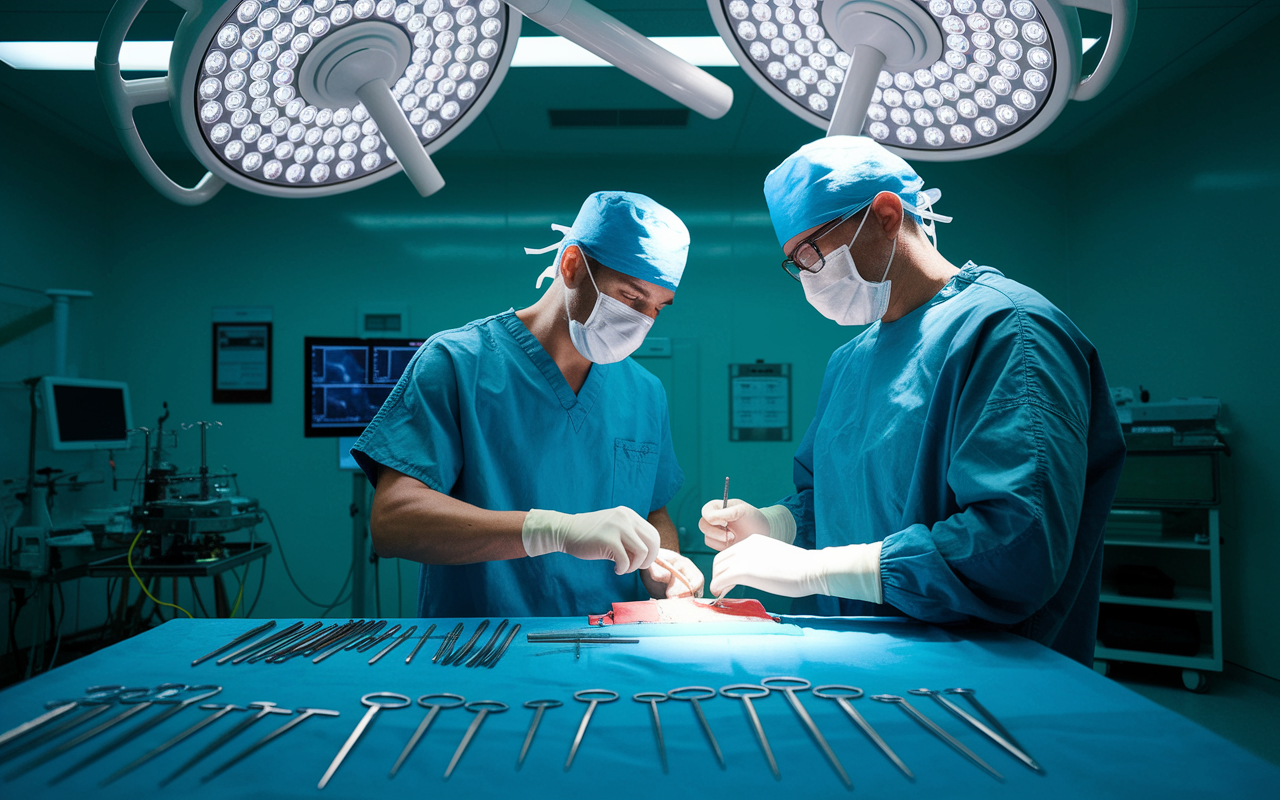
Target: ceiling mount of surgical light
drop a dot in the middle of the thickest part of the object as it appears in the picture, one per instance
(931, 79)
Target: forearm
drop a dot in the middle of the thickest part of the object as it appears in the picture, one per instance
(667, 533)
(412, 521)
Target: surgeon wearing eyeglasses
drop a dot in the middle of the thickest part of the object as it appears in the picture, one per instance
(524, 460)
(965, 449)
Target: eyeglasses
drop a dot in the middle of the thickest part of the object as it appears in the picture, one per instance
(806, 256)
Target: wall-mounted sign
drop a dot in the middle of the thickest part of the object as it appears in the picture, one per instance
(760, 402)
(242, 355)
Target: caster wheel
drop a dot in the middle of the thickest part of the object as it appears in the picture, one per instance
(1195, 681)
(1103, 668)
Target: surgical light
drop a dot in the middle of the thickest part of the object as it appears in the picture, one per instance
(930, 79)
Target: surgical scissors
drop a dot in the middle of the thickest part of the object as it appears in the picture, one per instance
(829, 692)
(933, 728)
(586, 696)
(692, 695)
(482, 709)
(220, 711)
(436, 707)
(977, 725)
(542, 706)
(653, 698)
(746, 692)
(371, 700)
(303, 715)
(789, 686)
(131, 735)
(94, 695)
(264, 707)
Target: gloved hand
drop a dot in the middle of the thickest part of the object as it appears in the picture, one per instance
(722, 526)
(852, 571)
(618, 534)
(663, 583)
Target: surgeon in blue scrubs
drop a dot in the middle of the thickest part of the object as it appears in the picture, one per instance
(965, 450)
(523, 459)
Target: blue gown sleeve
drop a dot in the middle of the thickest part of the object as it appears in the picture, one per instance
(670, 477)
(1016, 469)
(417, 431)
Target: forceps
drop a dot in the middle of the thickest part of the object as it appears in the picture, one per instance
(220, 711)
(303, 715)
(264, 709)
(692, 695)
(456, 658)
(789, 687)
(971, 696)
(1013, 750)
(131, 735)
(482, 709)
(482, 654)
(244, 637)
(447, 645)
(393, 645)
(421, 642)
(653, 698)
(592, 697)
(746, 692)
(376, 701)
(426, 702)
(829, 692)
(542, 706)
(933, 728)
(94, 695)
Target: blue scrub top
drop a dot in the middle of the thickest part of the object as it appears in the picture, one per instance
(483, 414)
(976, 437)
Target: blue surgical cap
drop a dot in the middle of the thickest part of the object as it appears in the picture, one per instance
(835, 176)
(632, 234)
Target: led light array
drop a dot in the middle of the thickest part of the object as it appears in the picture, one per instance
(253, 118)
(993, 77)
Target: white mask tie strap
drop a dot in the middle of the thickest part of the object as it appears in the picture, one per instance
(549, 272)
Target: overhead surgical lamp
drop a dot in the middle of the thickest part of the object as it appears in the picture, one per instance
(297, 98)
(934, 80)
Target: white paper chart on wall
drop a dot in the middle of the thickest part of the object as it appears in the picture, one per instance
(760, 402)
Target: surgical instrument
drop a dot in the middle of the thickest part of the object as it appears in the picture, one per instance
(831, 692)
(220, 711)
(746, 692)
(456, 658)
(482, 709)
(694, 694)
(339, 643)
(269, 640)
(265, 708)
(675, 572)
(789, 687)
(933, 728)
(372, 643)
(303, 638)
(131, 735)
(303, 715)
(93, 696)
(483, 652)
(426, 702)
(143, 698)
(542, 706)
(971, 696)
(447, 645)
(977, 725)
(372, 700)
(560, 636)
(586, 696)
(653, 698)
(308, 644)
(393, 645)
(723, 505)
(425, 635)
(493, 660)
(587, 640)
(247, 635)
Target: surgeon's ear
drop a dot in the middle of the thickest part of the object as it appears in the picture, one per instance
(887, 207)
(572, 267)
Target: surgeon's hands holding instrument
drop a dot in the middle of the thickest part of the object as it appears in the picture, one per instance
(724, 524)
(851, 571)
(673, 575)
(618, 534)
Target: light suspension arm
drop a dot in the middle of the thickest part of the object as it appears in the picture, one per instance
(377, 98)
(1124, 16)
(856, 91)
(589, 27)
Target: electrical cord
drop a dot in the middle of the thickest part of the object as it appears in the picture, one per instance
(344, 597)
(289, 572)
(62, 616)
(145, 590)
(239, 594)
(262, 581)
(195, 592)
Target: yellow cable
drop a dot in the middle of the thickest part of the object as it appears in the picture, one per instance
(129, 559)
(239, 597)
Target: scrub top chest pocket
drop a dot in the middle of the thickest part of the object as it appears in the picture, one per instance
(635, 469)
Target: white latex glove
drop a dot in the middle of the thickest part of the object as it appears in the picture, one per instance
(617, 534)
(663, 583)
(852, 571)
(722, 526)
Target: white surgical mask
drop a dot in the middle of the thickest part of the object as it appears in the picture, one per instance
(840, 294)
(612, 332)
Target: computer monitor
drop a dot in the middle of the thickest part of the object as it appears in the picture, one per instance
(347, 380)
(86, 414)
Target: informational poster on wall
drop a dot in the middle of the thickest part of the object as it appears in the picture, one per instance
(242, 355)
(760, 402)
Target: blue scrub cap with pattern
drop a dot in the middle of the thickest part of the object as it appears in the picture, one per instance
(837, 176)
(631, 233)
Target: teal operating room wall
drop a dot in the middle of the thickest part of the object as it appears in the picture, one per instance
(1173, 272)
(458, 256)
